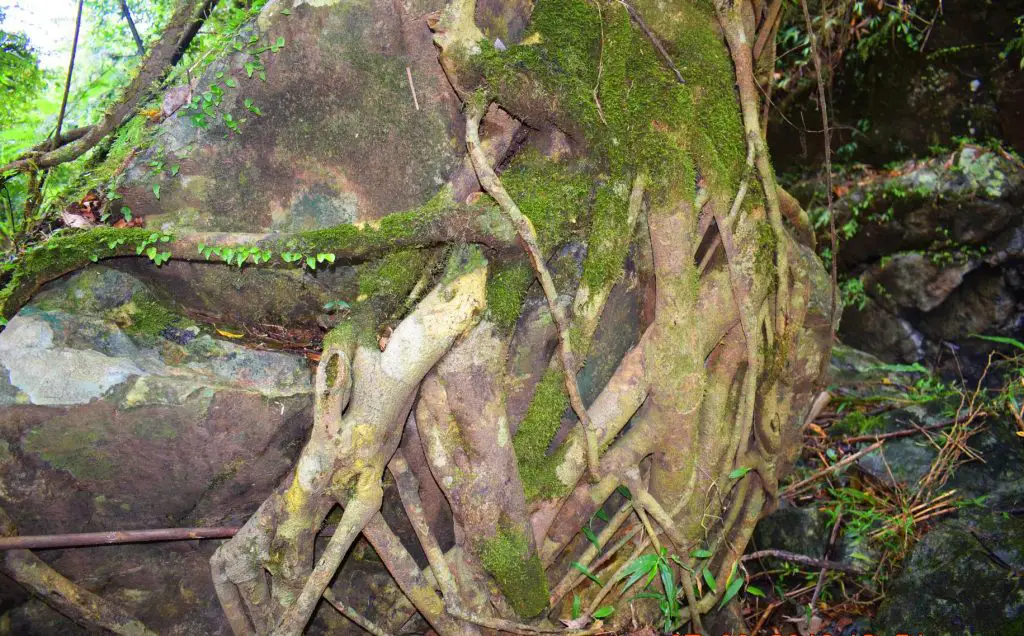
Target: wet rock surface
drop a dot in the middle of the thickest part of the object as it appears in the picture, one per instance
(118, 414)
(932, 255)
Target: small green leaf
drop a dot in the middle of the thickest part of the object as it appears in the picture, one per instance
(753, 590)
(731, 591)
(1000, 340)
(591, 537)
(739, 472)
(604, 612)
(227, 254)
(250, 68)
(151, 253)
(577, 606)
(202, 247)
(709, 578)
(94, 258)
(329, 256)
(622, 490)
(286, 11)
(126, 212)
(601, 514)
(230, 82)
(586, 572)
(311, 262)
(701, 553)
(156, 191)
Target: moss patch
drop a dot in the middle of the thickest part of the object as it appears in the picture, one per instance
(517, 570)
(538, 428)
(506, 291)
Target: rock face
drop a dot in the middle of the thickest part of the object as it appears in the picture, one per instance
(307, 120)
(932, 256)
(963, 577)
(116, 413)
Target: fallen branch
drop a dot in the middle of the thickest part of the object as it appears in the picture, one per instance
(793, 489)
(81, 606)
(66, 253)
(116, 537)
(910, 431)
(802, 559)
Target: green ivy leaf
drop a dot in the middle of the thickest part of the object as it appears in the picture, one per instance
(156, 191)
(126, 212)
(604, 612)
(739, 472)
(311, 262)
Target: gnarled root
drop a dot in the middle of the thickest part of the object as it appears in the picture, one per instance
(263, 576)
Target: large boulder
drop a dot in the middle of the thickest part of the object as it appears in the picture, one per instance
(314, 115)
(963, 577)
(932, 254)
(118, 414)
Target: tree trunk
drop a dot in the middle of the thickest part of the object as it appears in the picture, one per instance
(609, 146)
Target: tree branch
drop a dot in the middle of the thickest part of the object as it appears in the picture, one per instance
(81, 606)
(66, 253)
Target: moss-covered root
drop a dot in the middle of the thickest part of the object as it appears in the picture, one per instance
(436, 223)
(509, 557)
(345, 458)
(528, 236)
(85, 608)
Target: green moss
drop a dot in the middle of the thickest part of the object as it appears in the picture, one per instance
(857, 423)
(147, 317)
(389, 280)
(506, 291)
(552, 195)
(60, 255)
(517, 570)
(609, 239)
(650, 122)
(535, 433)
(75, 450)
(764, 257)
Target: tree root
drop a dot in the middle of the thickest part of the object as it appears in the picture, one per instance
(528, 236)
(351, 442)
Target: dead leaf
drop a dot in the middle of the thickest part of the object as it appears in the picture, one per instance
(71, 219)
(137, 221)
(576, 623)
(230, 334)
